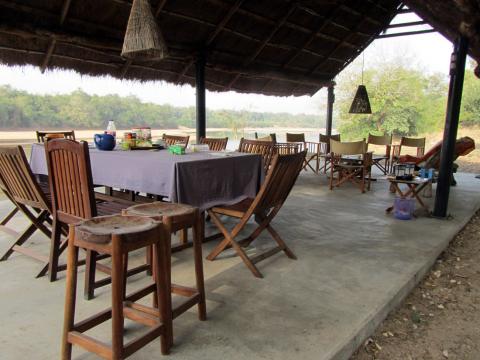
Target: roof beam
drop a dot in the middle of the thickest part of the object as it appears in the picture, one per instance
(214, 34)
(406, 33)
(358, 25)
(252, 57)
(413, 23)
(53, 42)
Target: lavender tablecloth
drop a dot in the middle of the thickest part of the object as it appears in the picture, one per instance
(199, 179)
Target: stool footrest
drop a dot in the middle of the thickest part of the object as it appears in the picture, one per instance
(90, 344)
(136, 344)
(185, 305)
(183, 290)
(138, 314)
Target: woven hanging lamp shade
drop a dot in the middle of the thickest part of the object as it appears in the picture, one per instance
(143, 39)
(361, 102)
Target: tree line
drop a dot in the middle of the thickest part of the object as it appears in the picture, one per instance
(79, 110)
(404, 101)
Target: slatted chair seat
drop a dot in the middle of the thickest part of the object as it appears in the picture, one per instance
(74, 200)
(235, 210)
(280, 179)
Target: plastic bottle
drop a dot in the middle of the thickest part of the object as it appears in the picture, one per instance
(111, 129)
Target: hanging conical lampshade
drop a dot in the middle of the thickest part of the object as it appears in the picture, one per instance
(361, 102)
(143, 38)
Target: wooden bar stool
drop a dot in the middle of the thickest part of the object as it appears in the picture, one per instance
(178, 217)
(117, 236)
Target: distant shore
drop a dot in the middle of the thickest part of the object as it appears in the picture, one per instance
(18, 136)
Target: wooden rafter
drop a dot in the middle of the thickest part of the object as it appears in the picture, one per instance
(214, 34)
(53, 42)
(358, 25)
(259, 49)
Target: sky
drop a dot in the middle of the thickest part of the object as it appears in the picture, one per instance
(428, 52)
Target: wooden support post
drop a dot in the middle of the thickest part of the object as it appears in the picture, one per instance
(330, 101)
(200, 88)
(457, 72)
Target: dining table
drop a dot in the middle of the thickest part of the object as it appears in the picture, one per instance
(200, 179)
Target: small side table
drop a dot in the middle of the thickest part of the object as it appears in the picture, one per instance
(414, 187)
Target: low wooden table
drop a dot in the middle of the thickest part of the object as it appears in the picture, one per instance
(414, 187)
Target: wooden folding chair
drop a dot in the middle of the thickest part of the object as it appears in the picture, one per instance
(287, 148)
(10, 215)
(406, 142)
(20, 186)
(312, 148)
(74, 200)
(352, 162)
(270, 137)
(43, 136)
(381, 161)
(264, 207)
(325, 149)
(215, 144)
(264, 148)
(176, 139)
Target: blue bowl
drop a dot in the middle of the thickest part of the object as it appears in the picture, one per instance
(104, 142)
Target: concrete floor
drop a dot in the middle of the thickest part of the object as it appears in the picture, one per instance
(355, 263)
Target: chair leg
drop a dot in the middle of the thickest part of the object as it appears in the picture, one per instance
(280, 242)
(197, 251)
(163, 295)
(9, 216)
(90, 267)
(70, 298)
(24, 237)
(118, 280)
(148, 255)
(54, 251)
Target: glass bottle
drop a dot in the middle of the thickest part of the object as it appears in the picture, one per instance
(111, 129)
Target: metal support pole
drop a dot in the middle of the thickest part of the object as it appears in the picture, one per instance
(200, 92)
(330, 101)
(457, 72)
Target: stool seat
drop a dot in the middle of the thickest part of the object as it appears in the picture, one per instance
(160, 209)
(99, 230)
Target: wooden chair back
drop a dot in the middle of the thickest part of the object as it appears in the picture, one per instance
(264, 148)
(326, 139)
(271, 137)
(18, 179)
(325, 142)
(418, 143)
(215, 144)
(279, 182)
(287, 148)
(43, 136)
(379, 139)
(71, 182)
(348, 148)
(176, 139)
(295, 137)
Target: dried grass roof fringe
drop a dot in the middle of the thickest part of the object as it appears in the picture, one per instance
(272, 47)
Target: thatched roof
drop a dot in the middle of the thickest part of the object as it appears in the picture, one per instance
(276, 47)
(273, 47)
